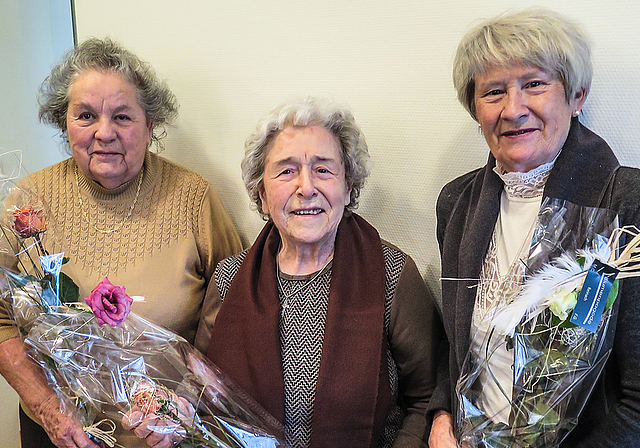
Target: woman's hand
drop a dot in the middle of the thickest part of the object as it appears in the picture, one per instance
(160, 431)
(26, 377)
(64, 431)
(441, 435)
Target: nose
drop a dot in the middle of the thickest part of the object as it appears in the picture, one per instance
(516, 107)
(306, 185)
(105, 130)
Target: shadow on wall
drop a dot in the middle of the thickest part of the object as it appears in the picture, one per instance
(201, 159)
(466, 151)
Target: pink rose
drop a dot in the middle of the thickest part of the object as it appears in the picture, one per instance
(109, 303)
(29, 222)
(151, 398)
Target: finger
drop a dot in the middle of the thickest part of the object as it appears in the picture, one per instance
(165, 442)
(71, 435)
(178, 435)
(82, 440)
(145, 428)
(187, 411)
(156, 438)
(132, 419)
(161, 434)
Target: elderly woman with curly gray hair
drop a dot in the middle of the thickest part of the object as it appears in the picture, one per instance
(328, 327)
(117, 209)
(524, 77)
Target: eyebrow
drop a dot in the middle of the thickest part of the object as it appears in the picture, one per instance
(533, 73)
(296, 161)
(85, 105)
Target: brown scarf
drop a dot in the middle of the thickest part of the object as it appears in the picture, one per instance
(353, 394)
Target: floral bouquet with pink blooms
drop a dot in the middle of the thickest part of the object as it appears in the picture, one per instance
(136, 374)
(111, 367)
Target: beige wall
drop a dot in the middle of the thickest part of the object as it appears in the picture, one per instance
(33, 34)
(230, 62)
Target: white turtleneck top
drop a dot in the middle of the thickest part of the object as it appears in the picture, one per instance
(519, 205)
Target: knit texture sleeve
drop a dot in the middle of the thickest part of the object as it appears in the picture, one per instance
(8, 260)
(414, 332)
(218, 287)
(217, 237)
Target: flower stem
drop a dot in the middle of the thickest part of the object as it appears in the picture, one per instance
(40, 247)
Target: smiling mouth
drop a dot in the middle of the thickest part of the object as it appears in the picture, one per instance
(313, 211)
(105, 154)
(518, 132)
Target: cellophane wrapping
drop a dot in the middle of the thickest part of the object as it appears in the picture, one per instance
(552, 365)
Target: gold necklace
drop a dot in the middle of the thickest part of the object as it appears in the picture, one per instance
(86, 217)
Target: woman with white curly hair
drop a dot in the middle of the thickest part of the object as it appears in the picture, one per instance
(328, 327)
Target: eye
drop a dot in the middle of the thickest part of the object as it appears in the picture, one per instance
(323, 171)
(492, 94)
(86, 116)
(122, 117)
(286, 171)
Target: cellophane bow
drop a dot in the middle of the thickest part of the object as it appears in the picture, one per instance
(531, 369)
(105, 375)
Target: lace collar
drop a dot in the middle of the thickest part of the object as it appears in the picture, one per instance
(525, 185)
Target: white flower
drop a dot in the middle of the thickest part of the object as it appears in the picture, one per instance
(562, 302)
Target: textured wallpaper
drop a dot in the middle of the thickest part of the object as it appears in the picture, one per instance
(230, 62)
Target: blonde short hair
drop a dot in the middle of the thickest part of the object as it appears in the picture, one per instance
(537, 37)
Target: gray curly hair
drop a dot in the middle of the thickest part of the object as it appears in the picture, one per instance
(537, 37)
(308, 112)
(154, 96)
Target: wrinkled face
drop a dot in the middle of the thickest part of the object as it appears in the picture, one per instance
(304, 189)
(107, 128)
(524, 114)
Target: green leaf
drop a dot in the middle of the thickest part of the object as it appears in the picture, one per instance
(69, 291)
(567, 323)
(50, 362)
(613, 294)
(548, 417)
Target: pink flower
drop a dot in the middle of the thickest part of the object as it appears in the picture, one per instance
(29, 222)
(109, 303)
(151, 398)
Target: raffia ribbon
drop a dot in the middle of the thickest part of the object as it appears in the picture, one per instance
(105, 436)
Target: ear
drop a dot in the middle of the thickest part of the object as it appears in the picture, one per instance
(347, 197)
(263, 198)
(578, 100)
(150, 131)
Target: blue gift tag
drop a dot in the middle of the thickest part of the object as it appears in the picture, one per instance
(593, 296)
(52, 264)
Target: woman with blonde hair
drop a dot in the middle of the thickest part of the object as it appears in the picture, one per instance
(524, 78)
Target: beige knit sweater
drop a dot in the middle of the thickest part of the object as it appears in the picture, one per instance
(166, 251)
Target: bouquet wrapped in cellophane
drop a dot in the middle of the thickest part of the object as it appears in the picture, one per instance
(138, 371)
(539, 350)
(110, 367)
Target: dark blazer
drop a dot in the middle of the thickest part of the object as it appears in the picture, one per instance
(586, 173)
